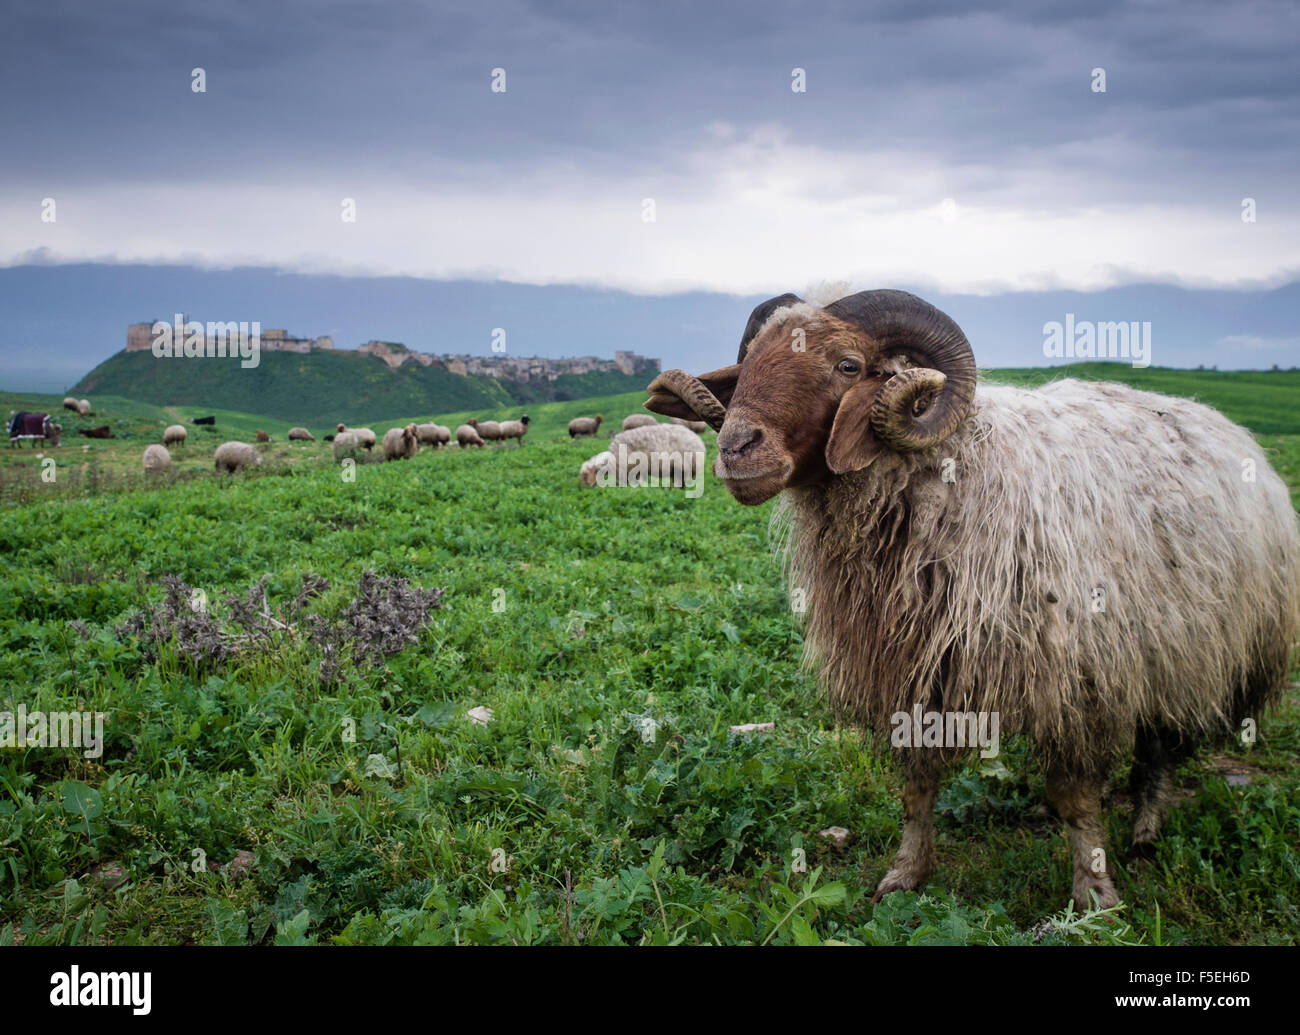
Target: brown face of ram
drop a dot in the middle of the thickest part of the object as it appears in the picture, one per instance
(785, 406)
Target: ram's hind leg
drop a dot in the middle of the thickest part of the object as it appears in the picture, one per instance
(1078, 800)
(915, 859)
(1156, 753)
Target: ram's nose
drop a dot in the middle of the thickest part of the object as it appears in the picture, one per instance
(738, 437)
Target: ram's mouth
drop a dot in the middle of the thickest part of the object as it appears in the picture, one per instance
(752, 487)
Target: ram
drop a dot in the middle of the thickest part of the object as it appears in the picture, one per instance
(1094, 565)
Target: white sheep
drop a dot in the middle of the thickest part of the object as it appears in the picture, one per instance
(156, 458)
(651, 454)
(175, 434)
(1085, 564)
(467, 435)
(435, 435)
(488, 430)
(301, 435)
(638, 420)
(346, 444)
(232, 456)
(515, 429)
(365, 438)
(401, 443)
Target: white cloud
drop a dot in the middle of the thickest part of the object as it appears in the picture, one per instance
(739, 215)
(1257, 343)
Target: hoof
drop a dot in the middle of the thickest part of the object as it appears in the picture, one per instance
(1102, 890)
(896, 880)
(1142, 851)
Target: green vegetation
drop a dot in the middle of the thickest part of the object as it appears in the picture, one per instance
(1262, 400)
(616, 636)
(323, 388)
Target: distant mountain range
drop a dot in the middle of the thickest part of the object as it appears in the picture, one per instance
(326, 386)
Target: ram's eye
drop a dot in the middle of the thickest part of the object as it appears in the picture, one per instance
(847, 366)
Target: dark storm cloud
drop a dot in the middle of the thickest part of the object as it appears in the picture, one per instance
(101, 91)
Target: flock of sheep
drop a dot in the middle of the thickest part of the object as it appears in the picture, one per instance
(1142, 594)
(675, 449)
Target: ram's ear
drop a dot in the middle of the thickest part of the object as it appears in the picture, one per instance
(722, 383)
(853, 444)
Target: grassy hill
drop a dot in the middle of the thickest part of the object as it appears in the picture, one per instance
(616, 635)
(321, 388)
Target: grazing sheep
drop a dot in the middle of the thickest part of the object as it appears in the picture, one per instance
(466, 436)
(83, 407)
(231, 456)
(432, 435)
(301, 435)
(638, 420)
(664, 452)
(365, 437)
(156, 459)
(72, 404)
(175, 434)
(488, 430)
(697, 426)
(346, 444)
(401, 443)
(103, 431)
(262, 436)
(580, 427)
(209, 421)
(329, 438)
(516, 429)
(1086, 564)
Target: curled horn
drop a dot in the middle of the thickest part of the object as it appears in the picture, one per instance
(759, 317)
(919, 407)
(693, 392)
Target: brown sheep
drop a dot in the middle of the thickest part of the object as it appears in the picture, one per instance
(581, 427)
(958, 578)
(262, 436)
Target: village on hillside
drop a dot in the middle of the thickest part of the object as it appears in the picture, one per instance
(522, 369)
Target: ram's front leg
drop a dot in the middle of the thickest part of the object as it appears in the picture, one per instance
(1078, 800)
(915, 859)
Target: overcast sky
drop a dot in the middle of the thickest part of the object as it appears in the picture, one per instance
(953, 148)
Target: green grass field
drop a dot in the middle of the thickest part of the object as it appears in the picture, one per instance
(615, 635)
